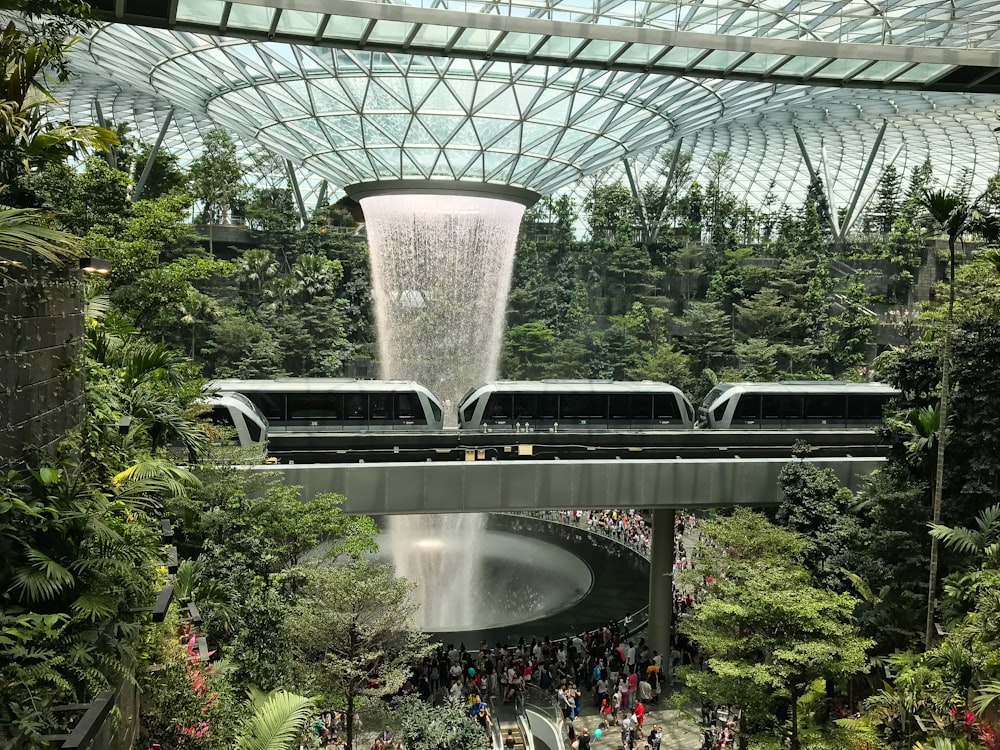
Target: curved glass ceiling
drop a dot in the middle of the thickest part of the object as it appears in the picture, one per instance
(540, 94)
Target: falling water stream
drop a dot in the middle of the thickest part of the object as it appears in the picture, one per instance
(441, 270)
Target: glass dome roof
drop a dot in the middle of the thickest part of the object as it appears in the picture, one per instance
(538, 94)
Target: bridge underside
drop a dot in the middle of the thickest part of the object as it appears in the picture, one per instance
(497, 486)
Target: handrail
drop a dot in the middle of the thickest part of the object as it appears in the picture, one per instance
(523, 722)
(495, 734)
(545, 704)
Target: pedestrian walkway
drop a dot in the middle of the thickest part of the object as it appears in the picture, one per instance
(680, 730)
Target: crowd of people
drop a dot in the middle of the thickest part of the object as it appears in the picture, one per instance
(613, 670)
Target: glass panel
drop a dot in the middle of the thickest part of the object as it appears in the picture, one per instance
(388, 32)
(923, 72)
(408, 408)
(618, 406)
(748, 407)
(640, 53)
(299, 22)
(356, 406)
(759, 63)
(433, 36)
(881, 71)
(840, 69)
(824, 406)
(559, 46)
(518, 43)
(271, 405)
(799, 66)
(499, 407)
(665, 406)
(679, 57)
(381, 406)
(345, 27)
(313, 406)
(548, 406)
(641, 407)
(250, 17)
(524, 406)
(478, 39)
(203, 11)
(600, 50)
(720, 60)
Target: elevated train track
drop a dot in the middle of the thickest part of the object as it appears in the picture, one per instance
(324, 447)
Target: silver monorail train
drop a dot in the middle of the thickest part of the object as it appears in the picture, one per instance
(339, 404)
(238, 412)
(575, 405)
(794, 404)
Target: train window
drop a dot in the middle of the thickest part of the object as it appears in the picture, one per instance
(747, 407)
(469, 411)
(824, 406)
(524, 406)
(618, 406)
(500, 407)
(380, 406)
(271, 405)
(719, 413)
(781, 406)
(641, 407)
(866, 407)
(547, 406)
(356, 406)
(407, 406)
(253, 428)
(435, 409)
(665, 406)
(583, 406)
(314, 406)
(220, 415)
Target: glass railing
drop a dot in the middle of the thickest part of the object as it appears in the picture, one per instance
(539, 701)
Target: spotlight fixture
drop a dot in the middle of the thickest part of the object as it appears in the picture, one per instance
(95, 265)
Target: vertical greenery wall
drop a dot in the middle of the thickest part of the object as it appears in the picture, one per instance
(41, 333)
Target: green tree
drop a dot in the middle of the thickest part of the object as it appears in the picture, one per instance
(952, 212)
(165, 176)
(352, 634)
(216, 179)
(764, 624)
(427, 727)
(818, 507)
(526, 349)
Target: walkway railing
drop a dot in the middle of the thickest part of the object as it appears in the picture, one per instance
(631, 623)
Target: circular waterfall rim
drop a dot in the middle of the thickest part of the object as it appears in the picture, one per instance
(525, 197)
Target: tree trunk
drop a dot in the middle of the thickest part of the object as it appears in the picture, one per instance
(936, 496)
(350, 722)
(794, 738)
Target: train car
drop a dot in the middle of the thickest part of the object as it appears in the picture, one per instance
(238, 412)
(822, 404)
(339, 404)
(575, 405)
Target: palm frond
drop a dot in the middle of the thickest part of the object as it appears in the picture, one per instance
(277, 722)
(958, 539)
(988, 695)
(22, 231)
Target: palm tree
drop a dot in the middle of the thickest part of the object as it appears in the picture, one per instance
(276, 722)
(952, 213)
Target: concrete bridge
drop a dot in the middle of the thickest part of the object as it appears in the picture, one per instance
(525, 485)
(480, 486)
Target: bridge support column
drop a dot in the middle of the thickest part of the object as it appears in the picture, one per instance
(661, 589)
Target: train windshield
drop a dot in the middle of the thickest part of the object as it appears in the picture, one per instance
(714, 394)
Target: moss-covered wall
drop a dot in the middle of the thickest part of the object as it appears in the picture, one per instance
(41, 335)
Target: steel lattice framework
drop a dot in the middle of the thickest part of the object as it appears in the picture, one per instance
(538, 95)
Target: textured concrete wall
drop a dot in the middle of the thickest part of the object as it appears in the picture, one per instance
(41, 335)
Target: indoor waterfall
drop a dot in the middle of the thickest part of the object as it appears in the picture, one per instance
(441, 270)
